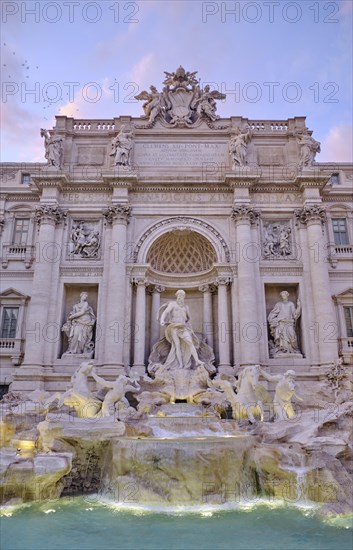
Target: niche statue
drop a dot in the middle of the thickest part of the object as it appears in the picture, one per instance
(79, 328)
(282, 320)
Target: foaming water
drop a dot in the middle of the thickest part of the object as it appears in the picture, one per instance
(84, 523)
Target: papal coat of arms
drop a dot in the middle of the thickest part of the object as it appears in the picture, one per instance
(181, 102)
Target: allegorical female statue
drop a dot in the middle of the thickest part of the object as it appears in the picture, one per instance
(79, 328)
(282, 321)
(121, 147)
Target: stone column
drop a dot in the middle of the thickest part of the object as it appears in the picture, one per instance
(207, 313)
(156, 304)
(314, 217)
(117, 216)
(250, 328)
(47, 217)
(224, 328)
(140, 326)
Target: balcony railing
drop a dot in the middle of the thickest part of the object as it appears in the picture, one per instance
(24, 253)
(344, 250)
(346, 349)
(12, 347)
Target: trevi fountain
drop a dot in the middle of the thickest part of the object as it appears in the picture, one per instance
(154, 398)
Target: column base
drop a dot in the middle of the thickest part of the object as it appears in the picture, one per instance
(27, 382)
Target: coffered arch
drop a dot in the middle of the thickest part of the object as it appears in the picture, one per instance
(209, 239)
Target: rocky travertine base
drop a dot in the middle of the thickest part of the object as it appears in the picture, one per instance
(175, 458)
(27, 477)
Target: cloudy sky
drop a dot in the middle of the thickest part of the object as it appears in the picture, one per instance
(87, 60)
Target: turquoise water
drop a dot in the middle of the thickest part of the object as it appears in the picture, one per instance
(75, 524)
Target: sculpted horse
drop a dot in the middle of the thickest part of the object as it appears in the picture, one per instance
(247, 403)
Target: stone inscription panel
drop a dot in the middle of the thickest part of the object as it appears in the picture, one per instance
(180, 154)
(208, 198)
(93, 156)
(91, 198)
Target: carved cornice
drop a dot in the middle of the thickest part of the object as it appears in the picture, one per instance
(121, 212)
(23, 197)
(55, 179)
(213, 187)
(236, 181)
(313, 180)
(337, 198)
(81, 271)
(123, 178)
(84, 187)
(245, 212)
(49, 212)
(311, 213)
(275, 271)
(25, 274)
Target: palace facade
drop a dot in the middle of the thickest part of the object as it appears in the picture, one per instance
(127, 211)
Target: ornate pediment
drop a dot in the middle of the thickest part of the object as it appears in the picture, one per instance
(181, 103)
(12, 296)
(12, 293)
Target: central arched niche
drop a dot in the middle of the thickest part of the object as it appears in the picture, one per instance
(181, 251)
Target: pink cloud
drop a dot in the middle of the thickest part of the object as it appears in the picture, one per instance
(337, 146)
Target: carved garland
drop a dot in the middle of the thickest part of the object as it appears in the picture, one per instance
(186, 222)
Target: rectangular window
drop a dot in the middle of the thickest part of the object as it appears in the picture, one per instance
(20, 234)
(340, 233)
(4, 389)
(335, 179)
(348, 315)
(9, 322)
(26, 179)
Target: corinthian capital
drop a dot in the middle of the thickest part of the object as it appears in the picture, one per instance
(49, 212)
(314, 212)
(244, 212)
(223, 280)
(120, 212)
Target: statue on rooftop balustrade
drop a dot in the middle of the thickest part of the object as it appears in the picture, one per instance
(53, 148)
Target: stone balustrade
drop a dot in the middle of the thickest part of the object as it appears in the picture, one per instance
(79, 125)
(21, 252)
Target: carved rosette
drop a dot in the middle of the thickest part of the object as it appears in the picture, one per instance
(120, 212)
(49, 213)
(313, 213)
(243, 212)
